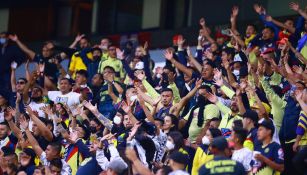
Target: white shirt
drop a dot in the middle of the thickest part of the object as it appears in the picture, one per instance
(178, 172)
(244, 156)
(66, 170)
(71, 98)
(1, 116)
(38, 107)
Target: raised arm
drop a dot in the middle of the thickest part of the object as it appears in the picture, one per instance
(76, 41)
(23, 47)
(197, 65)
(13, 76)
(233, 19)
(206, 34)
(280, 24)
(9, 118)
(296, 7)
(169, 56)
(33, 142)
(45, 132)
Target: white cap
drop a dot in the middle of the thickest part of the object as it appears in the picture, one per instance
(139, 65)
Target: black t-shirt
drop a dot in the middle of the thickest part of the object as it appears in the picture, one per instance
(222, 166)
(43, 143)
(51, 69)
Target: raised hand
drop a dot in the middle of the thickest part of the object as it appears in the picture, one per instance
(297, 69)
(74, 136)
(168, 54)
(41, 67)
(145, 47)
(13, 65)
(202, 22)
(47, 110)
(13, 38)
(257, 8)
(79, 37)
(18, 97)
(235, 11)
(198, 83)
(189, 51)
(294, 6)
(140, 75)
(89, 106)
(134, 130)
(119, 54)
(212, 98)
(299, 95)
(24, 124)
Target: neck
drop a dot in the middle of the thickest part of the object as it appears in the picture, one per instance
(238, 146)
(176, 167)
(65, 92)
(249, 128)
(266, 141)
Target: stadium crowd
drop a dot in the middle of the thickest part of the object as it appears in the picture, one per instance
(236, 106)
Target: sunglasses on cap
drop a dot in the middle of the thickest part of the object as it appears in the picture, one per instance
(21, 82)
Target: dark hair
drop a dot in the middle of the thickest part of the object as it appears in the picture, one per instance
(82, 72)
(215, 132)
(4, 123)
(96, 121)
(240, 133)
(109, 67)
(277, 90)
(96, 49)
(238, 124)
(210, 63)
(270, 28)
(67, 79)
(86, 38)
(253, 25)
(175, 122)
(166, 169)
(57, 163)
(229, 51)
(56, 146)
(178, 139)
(24, 79)
(170, 68)
(166, 90)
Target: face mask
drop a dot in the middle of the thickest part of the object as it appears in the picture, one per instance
(205, 140)
(93, 129)
(96, 57)
(37, 99)
(169, 145)
(2, 40)
(159, 75)
(236, 72)
(103, 47)
(133, 98)
(117, 120)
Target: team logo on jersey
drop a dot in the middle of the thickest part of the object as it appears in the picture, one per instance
(267, 150)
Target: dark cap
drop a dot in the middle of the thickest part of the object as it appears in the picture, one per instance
(7, 151)
(268, 124)
(180, 157)
(220, 143)
(251, 114)
(30, 152)
(5, 95)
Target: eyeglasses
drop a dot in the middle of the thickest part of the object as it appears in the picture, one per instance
(21, 82)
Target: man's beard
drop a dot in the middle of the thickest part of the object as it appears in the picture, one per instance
(37, 99)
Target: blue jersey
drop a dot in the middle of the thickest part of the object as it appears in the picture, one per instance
(272, 151)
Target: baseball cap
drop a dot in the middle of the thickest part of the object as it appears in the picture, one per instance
(180, 157)
(220, 143)
(118, 165)
(251, 114)
(268, 124)
(266, 106)
(139, 65)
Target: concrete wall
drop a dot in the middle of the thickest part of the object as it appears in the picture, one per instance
(151, 14)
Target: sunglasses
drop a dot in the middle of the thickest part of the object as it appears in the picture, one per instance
(21, 82)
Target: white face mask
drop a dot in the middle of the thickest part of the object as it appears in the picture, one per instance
(236, 72)
(169, 145)
(117, 120)
(205, 140)
(133, 98)
(159, 75)
(103, 47)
